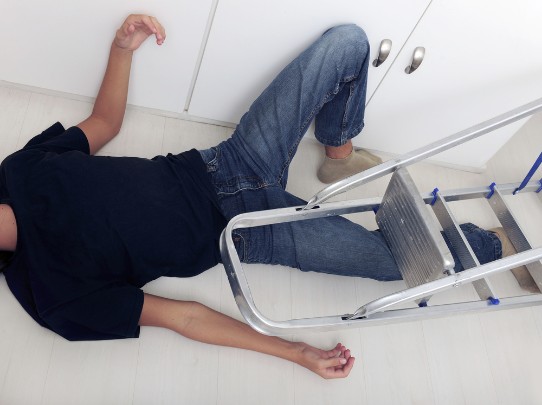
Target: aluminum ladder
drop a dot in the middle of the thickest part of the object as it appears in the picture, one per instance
(423, 257)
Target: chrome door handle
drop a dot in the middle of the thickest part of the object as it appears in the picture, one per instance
(417, 59)
(383, 52)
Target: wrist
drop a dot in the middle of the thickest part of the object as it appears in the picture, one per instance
(118, 48)
(295, 352)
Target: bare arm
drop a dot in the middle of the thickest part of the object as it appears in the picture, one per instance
(198, 322)
(108, 113)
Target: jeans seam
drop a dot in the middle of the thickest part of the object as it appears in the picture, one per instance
(228, 193)
(304, 125)
(324, 140)
(346, 107)
(286, 164)
(244, 247)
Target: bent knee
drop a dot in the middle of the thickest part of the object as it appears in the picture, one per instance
(350, 36)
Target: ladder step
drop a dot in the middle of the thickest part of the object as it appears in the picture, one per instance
(412, 234)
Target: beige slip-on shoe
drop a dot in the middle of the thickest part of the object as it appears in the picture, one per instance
(333, 170)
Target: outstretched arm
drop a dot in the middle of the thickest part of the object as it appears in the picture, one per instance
(108, 113)
(196, 321)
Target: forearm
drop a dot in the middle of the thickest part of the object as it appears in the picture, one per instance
(108, 113)
(196, 321)
(209, 326)
(110, 104)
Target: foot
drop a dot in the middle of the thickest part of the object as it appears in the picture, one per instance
(358, 160)
(522, 275)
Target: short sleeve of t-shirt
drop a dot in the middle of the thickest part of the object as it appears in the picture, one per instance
(56, 139)
(109, 313)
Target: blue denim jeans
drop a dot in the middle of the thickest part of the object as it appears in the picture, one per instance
(326, 83)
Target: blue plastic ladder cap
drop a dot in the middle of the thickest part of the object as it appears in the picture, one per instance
(493, 301)
(491, 190)
(434, 192)
(422, 304)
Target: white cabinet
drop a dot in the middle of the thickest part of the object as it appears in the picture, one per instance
(63, 45)
(251, 41)
(482, 58)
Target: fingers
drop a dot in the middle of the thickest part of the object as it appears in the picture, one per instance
(339, 367)
(334, 362)
(339, 362)
(343, 371)
(345, 354)
(336, 351)
(150, 25)
(160, 31)
(136, 29)
(128, 29)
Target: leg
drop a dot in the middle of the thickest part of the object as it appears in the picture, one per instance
(336, 245)
(485, 244)
(332, 245)
(327, 81)
(250, 170)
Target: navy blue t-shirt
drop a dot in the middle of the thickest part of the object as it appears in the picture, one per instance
(92, 230)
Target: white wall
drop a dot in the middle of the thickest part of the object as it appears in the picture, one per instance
(63, 45)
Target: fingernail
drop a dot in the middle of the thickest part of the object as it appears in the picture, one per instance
(342, 361)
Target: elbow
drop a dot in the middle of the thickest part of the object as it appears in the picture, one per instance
(110, 127)
(115, 129)
(190, 312)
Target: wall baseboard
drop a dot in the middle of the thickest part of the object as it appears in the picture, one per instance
(85, 99)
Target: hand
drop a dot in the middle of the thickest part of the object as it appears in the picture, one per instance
(335, 363)
(136, 29)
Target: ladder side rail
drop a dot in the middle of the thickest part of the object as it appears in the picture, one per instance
(479, 192)
(453, 280)
(297, 213)
(425, 152)
(236, 274)
(436, 311)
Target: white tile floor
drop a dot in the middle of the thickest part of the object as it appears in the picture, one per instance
(473, 359)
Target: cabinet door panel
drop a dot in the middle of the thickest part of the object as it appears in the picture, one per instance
(482, 59)
(63, 45)
(251, 41)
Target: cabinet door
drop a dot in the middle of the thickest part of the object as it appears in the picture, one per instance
(482, 59)
(250, 42)
(63, 45)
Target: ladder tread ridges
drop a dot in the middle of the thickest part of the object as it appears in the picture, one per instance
(415, 241)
